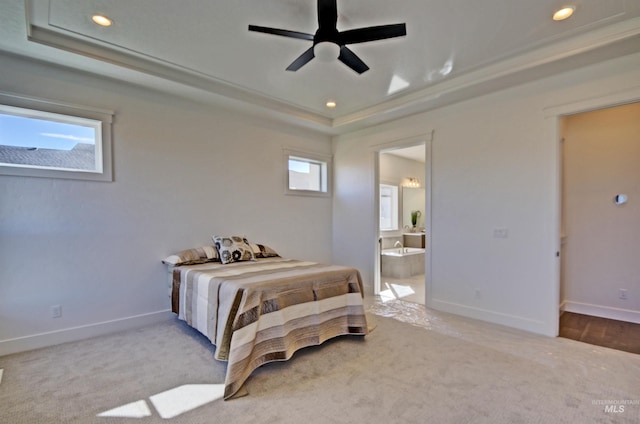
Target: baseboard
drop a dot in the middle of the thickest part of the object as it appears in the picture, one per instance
(602, 311)
(514, 321)
(37, 341)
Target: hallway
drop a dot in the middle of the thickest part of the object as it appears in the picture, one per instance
(598, 331)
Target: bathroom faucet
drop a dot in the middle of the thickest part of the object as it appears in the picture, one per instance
(398, 243)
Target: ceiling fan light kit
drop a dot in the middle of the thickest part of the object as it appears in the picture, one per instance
(329, 43)
(326, 51)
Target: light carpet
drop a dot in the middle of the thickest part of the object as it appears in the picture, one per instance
(434, 367)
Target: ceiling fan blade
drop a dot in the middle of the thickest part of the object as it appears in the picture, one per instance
(302, 60)
(327, 14)
(281, 32)
(363, 35)
(350, 59)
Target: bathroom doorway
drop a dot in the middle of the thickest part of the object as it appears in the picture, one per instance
(403, 202)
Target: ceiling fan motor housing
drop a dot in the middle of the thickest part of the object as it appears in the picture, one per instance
(329, 43)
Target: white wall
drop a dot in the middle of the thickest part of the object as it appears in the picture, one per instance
(397, 170)
(183, 171)
(600, 255)
(495, 164)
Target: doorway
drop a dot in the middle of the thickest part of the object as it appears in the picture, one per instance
(600, 222)
(403, 201)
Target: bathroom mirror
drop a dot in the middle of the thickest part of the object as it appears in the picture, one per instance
(413, 200)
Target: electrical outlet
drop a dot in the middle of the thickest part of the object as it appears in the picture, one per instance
(623, 294)
(56, 311)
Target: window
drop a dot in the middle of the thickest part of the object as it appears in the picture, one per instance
(388, 207)
(307, 173)
(44, 139)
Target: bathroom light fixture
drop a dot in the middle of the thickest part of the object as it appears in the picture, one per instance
(413, 182)
(102, 20)
(331, 104)
(564, 13)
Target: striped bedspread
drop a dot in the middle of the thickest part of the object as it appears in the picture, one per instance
(263, 311)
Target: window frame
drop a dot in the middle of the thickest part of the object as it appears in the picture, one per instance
(318, 158)
(395, 207)
(100, 119)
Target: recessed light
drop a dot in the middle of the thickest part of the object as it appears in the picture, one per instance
(564, 13)
(102, 20)
(331, 104)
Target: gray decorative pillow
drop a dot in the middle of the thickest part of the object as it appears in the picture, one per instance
(233, 249)
(197, 255)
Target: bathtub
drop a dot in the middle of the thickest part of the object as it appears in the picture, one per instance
(402, 262)
(401, 251)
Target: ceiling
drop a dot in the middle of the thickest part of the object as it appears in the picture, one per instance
(453, 50)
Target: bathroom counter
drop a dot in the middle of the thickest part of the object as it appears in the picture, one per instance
(413, 240)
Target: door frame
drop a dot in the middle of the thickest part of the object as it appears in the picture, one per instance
(427, 140)
(557, 113)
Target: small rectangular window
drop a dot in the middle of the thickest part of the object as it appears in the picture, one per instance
(307, 174)
(35, 139)
(43, 140)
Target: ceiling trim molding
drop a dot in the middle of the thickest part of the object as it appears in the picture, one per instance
(162, 69)
(518, 69)
(539, 57)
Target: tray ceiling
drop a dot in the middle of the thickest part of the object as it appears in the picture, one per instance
(454, 49)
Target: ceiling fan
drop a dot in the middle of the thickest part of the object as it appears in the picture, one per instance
(328, 33)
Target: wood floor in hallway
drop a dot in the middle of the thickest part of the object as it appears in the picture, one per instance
(605, 332)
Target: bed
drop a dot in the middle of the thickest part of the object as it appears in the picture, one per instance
(264, 308)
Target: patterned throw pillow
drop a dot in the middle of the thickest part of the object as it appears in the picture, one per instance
(233, 249)
(197, 255)
(262, 251)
